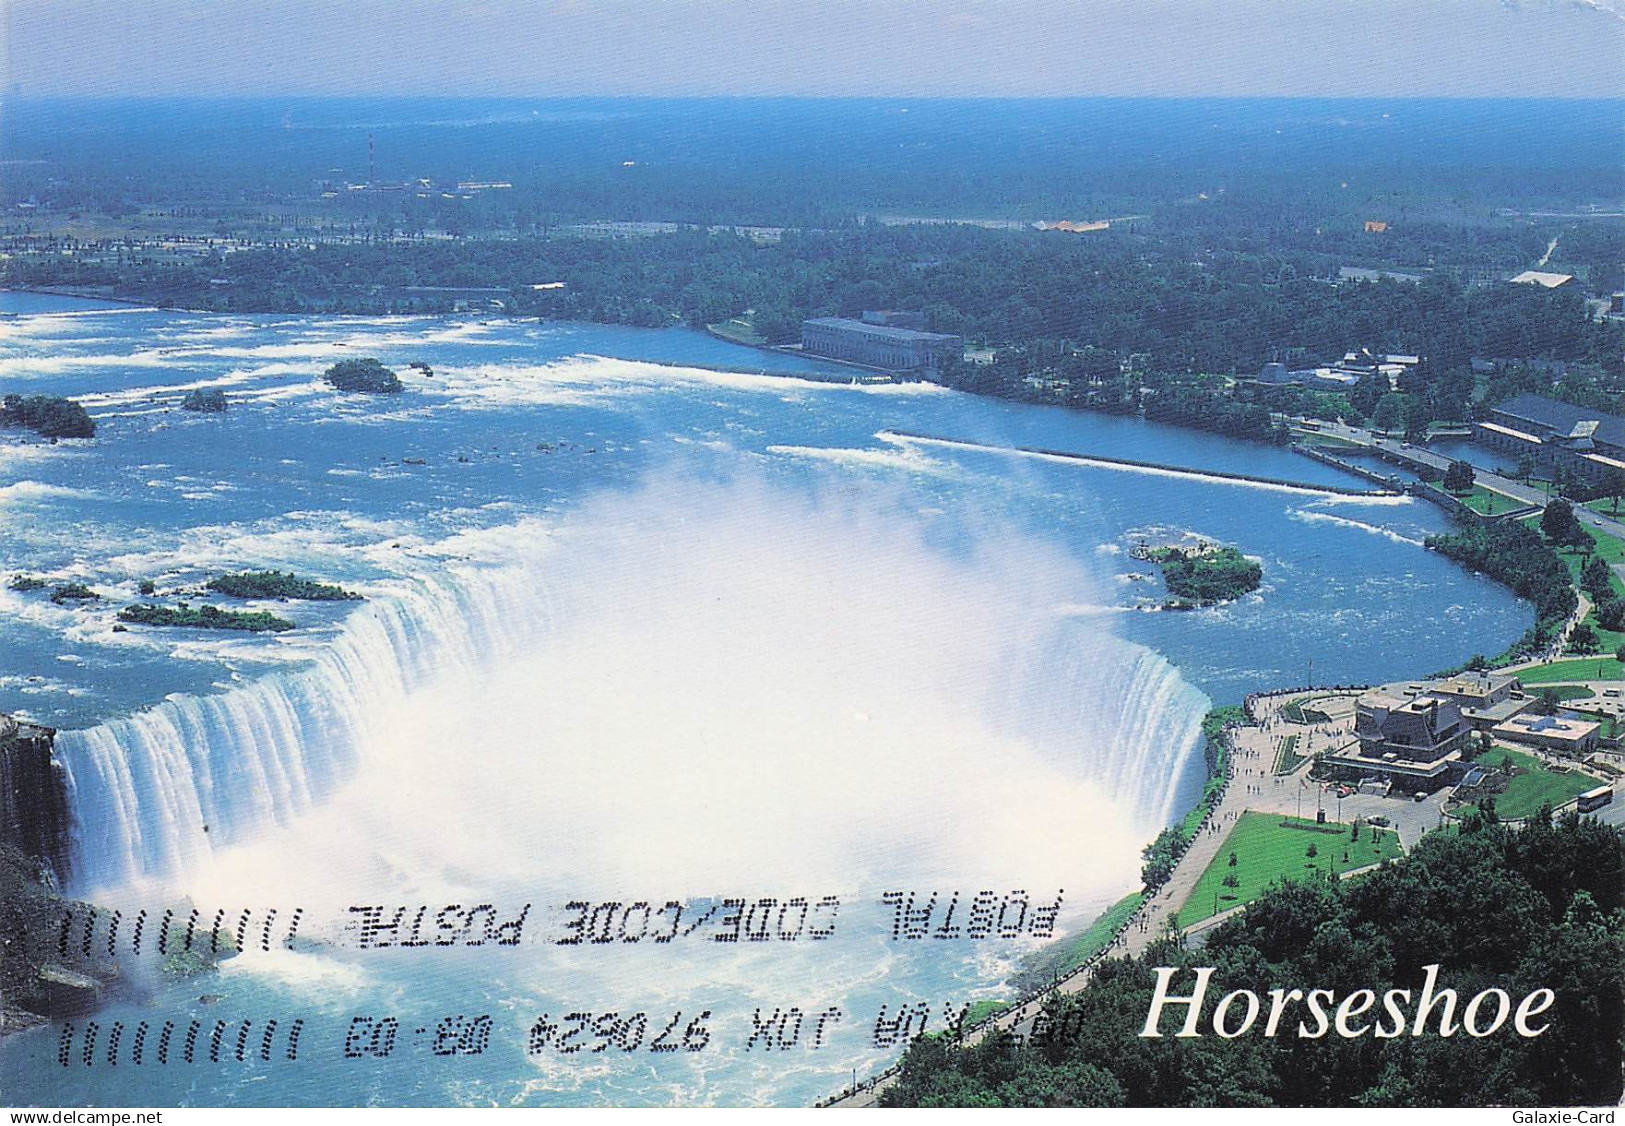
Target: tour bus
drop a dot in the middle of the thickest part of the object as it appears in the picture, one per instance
(1594, 799)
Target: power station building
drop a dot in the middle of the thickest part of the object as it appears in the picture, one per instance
(881, 341)
(1556, 435)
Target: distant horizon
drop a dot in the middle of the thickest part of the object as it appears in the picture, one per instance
(929, 49)
(26, 95)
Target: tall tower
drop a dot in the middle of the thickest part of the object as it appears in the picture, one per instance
(372, 175)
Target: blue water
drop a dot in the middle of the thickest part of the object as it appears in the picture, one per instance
(640, 622)
(1465, 449)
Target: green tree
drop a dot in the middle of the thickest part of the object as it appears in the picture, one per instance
(1389, 413)
(1613, 485)
(1611, 614)
(1557, 522)
(1459, 477)
(1597, 578)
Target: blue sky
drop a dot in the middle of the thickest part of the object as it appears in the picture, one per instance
(918, 48)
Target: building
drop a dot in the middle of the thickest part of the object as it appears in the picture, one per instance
(1485, 698)
(1408, 739)
(880, 345)
(1564, 734)
(1345, 375)
(1556, 435)
(1543, 279)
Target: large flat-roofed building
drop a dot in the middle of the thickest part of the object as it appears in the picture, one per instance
(1551, 732)
(880, 345)
(1556, 435)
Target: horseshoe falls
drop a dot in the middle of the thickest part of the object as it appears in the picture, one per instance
(643, 623)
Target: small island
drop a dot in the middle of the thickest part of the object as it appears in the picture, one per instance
(46, 416)
(278, 584)
(364, 375)
(1205, 575)
(61, 593)
(206, 400)
(203, 617)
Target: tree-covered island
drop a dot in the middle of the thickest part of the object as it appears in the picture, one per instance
(278, 584)
(1206, 575)
(367, 376)
(47, 416)
(204, 617)
(204, 400)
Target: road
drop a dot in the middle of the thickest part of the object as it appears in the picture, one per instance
(1525, 494)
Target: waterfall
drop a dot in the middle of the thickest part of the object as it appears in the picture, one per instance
(153, 794)
(689, 651)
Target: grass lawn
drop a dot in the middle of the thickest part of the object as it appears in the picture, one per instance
(1487, 502)
(1585, 668)
(1612, 549)
(1330, 442)
(739, 330)
(1063, 959)
(1287, 757)
(979, 1011)
(1566, 692)
(1299, 711)
(1093, 940)
(1534, 786)
(1268, 847)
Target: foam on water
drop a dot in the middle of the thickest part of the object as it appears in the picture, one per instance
(671, 655)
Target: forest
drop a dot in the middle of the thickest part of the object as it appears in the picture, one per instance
(1144, 318)
(1517, 909)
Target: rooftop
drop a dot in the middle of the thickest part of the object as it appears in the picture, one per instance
(1541, 278)
(1472, 684)
(1563, 418)
(883, 332)
(1547, 727)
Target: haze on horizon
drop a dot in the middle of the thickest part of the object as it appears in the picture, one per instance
(815, 48)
